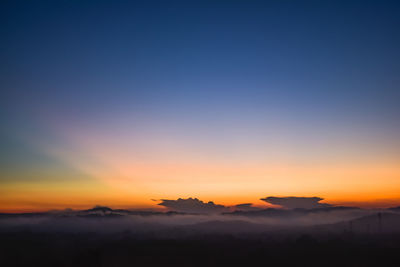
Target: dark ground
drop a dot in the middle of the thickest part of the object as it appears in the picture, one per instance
(28, 248)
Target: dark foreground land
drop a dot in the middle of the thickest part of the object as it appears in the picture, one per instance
(106, 237)
(124, 249)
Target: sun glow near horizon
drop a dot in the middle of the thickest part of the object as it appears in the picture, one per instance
(117, 170)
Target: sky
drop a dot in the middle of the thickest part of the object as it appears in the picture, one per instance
(124, 103)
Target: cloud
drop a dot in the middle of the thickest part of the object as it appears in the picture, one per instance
(246, 207)
(297, 202)
(192, 205)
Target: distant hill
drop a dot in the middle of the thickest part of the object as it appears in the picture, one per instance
(382, 222)
(395, 209)
(271, 212)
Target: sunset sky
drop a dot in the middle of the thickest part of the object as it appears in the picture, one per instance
(123, 104)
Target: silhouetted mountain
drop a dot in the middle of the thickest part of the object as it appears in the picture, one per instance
(381, 222)
(246, 207)
(332, 208)
(396, 209)
(103, 209)
(271, 212)
(264, 212)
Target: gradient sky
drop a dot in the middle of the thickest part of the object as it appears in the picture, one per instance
(118, 103)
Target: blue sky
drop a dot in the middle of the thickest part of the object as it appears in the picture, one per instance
(231, 79)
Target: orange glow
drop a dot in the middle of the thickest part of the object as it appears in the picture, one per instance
(135, 185)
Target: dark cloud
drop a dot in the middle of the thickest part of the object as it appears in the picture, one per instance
(297, 202)
(246, 207)
(192, 205)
